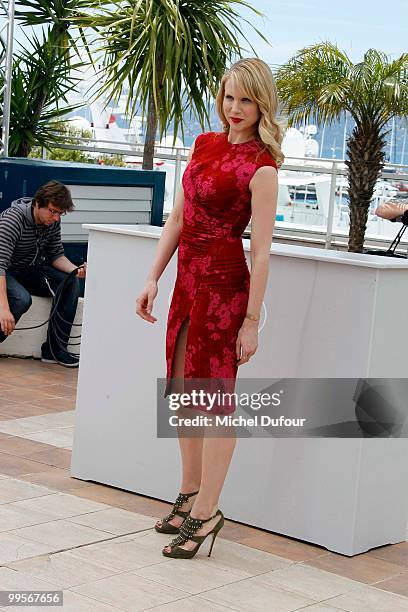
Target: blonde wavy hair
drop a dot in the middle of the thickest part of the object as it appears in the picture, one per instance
(255, 78)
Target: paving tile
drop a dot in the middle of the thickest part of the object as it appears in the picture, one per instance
(398, 584)
(5, 386)
(18, 427)
(395, 553)
(57, 457)
(4, 436)
(13, 548)
(310, 582)
(21, 447)
(62, 569)
(193, 577)
(12, 489)
(61, 505)
(13, 516)
(195, 603)
(115, 521)
(14, 466)
(61, 437)
(42, 422)
(37, 380)
(12, 580)
(125, 553)
(78, 603)
(6, 402)
(255, 595)
(134, 502)
(54, 403)
(284, 546)
(57, 419)
(56, 479)
(6, 417)
(362, 568)
(320, 608)
(234, 556)
(237, 532)
(26, 394)
(108, 495)
(369, 599)
(71, 601)
(60, 533)
(130, 592)
(62, 390)
(48, 397)
(18, 410)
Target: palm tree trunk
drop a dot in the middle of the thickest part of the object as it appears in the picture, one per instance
(25, 146)
(365, 163)
(152, 116)
(151, 128)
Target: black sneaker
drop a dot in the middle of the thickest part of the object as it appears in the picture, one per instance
(61, 357)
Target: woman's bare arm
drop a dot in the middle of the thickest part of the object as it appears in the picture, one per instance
(264, 189)
(390, 210)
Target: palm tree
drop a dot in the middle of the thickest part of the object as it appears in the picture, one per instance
(39, 88)
(42, 73)
(322, 82)
(171, 55)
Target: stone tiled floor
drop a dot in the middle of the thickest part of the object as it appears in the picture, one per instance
(97, 543)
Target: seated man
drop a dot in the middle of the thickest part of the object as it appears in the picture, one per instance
(32, 262)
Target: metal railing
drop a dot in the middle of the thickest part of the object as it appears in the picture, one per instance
(328, 235)
(6, 66)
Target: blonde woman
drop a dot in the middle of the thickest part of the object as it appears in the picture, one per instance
(212, 326)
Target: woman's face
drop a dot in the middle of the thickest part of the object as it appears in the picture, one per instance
(241, 112)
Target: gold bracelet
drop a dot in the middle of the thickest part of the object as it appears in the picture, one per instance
(252, 317)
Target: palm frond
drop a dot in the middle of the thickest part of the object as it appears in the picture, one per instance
(320, 81)
(172, 51)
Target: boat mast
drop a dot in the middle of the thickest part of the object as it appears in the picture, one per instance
(6, 66)
(345, 136)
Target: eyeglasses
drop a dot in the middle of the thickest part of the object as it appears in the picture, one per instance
(56, 213)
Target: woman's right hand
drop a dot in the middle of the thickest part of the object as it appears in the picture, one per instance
(144, 302)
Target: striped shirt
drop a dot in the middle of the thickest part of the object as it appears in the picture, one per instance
(23, 243)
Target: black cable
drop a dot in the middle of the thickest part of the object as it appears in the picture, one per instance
(55, 326)
(397, 239)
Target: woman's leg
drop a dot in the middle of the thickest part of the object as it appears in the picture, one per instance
(217, 449)
(217, 454)
(191, 448)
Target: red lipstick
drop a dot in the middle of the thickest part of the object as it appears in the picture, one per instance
(236, 119)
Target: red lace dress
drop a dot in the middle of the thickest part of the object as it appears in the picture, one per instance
(212, 284)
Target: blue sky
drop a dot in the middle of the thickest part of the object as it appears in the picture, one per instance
(354, 25)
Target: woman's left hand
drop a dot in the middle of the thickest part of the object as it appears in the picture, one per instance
(247, 341)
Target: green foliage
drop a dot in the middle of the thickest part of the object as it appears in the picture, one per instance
(43, 74)
(69, 135)
(321, 81)
(58, 17)
(111, 160)
(40, 84)
(170, 54)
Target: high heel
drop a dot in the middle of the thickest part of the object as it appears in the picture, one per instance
(166, 526)
(187, 532)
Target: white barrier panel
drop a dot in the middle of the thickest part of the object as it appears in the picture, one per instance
(329, 314)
